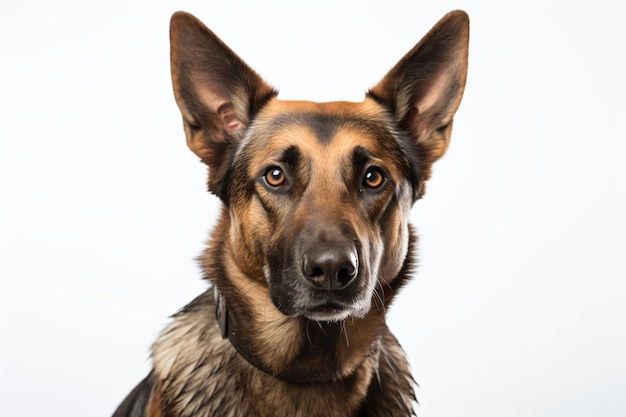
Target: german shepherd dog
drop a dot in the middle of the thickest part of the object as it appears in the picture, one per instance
(313, 241)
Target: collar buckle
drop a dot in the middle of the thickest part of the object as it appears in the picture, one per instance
(221, 312)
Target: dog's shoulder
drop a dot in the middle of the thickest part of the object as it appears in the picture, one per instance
(192, 343)
(391, 391)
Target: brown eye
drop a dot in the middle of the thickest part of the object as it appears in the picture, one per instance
(275, 177)
(373, 178)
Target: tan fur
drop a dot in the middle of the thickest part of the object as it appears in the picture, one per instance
(269, 324)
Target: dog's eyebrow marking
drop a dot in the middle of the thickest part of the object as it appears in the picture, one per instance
(360, 156)
(291, 156)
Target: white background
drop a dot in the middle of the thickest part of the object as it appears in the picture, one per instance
(519, 304)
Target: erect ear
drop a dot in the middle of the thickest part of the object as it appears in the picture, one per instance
(424, 89)
(217, 93)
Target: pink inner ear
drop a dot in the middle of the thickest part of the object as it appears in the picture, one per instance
(229, 119)
(432, 94)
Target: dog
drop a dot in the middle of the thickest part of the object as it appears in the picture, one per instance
(313, 240)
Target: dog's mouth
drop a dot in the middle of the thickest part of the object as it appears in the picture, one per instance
(320, 305)
(330, 311)
(293, 298)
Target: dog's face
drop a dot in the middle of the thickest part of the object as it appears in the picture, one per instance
(328, 187)
(318, 194)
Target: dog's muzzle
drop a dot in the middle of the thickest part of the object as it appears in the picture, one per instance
(323, 273)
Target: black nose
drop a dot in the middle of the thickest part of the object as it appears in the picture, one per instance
(331, 267)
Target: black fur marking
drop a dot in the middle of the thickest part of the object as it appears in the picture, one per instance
(360, 158)
(291, 156)
(135, 403)
(324, 126)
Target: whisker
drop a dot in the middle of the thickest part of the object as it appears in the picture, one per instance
(385, 281)
(308, 336)
(321, 328)
(345, 332)
(380, 297)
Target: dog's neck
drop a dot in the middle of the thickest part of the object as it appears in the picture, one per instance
(231, 330)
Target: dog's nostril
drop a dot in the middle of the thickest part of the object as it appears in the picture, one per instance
(317, 272)
(346, 273)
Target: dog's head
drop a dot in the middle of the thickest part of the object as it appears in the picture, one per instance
(318, 194)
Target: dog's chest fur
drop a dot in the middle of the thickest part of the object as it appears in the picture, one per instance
(191, 357)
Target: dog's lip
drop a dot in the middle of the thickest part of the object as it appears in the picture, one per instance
(329, 310)
(327, 305)
(325, 300)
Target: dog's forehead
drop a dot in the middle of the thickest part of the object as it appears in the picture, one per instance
(318, 130)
